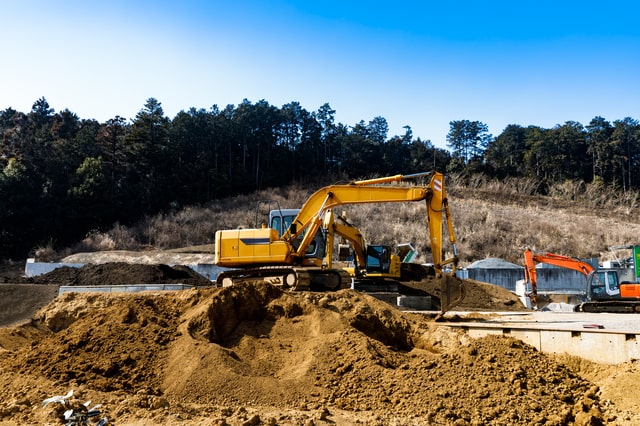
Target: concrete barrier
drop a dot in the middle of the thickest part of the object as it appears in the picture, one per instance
(601, 338)
(132, 288)
(33, 268)
(422, 303)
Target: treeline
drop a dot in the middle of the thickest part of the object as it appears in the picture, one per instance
(62, 176)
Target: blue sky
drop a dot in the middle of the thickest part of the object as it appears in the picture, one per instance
(416, 63)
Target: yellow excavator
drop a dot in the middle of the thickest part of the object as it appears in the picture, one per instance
(295, 249)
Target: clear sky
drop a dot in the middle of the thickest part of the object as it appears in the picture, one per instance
(419, 63)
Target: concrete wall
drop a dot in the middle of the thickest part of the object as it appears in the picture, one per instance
(133, 288)
(209, 271)
(549, 278)
(598, 346)
(33, 269)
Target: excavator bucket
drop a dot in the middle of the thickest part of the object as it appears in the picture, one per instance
(451, 292)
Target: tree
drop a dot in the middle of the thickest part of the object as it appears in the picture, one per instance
(256, 129)
(599, 133)
(468, 141)
(377, 130)
(625, 139)
(570, 147)
(17, 210)
(194, 146)
(425, 156)
(505, 154)
(12, 125)
(295, 135)
(91, 180)
(328, 134)
(150, 159)
(542, 154)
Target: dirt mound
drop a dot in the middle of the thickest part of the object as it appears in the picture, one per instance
(183, 256)
(256, 355)
(18, 302)
(11, 271)
(477, 296)
(120, 273)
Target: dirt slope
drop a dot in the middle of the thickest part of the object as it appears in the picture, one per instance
(256, 355)
(19, 302)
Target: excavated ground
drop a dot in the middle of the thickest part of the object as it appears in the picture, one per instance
(251, 355)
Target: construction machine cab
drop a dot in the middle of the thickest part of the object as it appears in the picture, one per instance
(282, 220)
(378, 258)
(604, 285)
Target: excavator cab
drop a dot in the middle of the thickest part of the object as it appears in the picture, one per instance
(378, 258)
(604, 285)
(282, 219)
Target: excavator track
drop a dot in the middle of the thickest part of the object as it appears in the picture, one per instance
(610, 306)
(292, 278)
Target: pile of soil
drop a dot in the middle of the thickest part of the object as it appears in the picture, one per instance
(19, 302)
(475, 295)
(21, 299)
(253, 354)
(11, 271)
(120, 273)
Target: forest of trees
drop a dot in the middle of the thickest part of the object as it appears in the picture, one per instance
(62, 176)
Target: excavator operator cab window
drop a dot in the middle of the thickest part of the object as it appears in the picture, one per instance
(613, 286)
(378, 259)
(281, 223)
(605, 283)
(276, 223)
(598, 287)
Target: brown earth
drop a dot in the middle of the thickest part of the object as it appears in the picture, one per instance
(24, 296)
(120, 273)
(252, 355)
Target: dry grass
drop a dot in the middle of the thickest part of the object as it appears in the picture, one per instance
(491, 218)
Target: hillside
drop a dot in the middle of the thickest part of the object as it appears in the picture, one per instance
(491, 218)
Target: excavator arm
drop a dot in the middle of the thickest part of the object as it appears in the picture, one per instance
(532, 258)
(338, 225)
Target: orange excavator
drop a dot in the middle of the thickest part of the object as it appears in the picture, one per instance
(604, 293)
